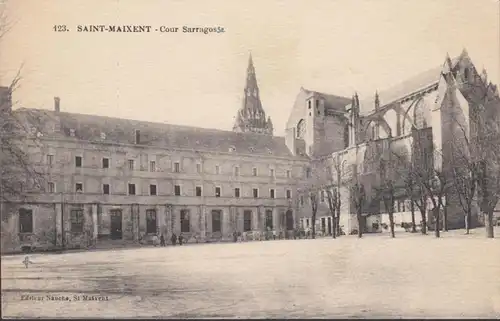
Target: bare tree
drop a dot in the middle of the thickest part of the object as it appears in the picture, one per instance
(488, 165)
(465, 182)
(18, 175)
(333, 197)
(386, 192)
(410, 190)
(313, 197)
(476, 155)
(358, 195)
(425, 179)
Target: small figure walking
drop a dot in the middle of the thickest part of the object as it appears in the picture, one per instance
(162, 240)
(181, 238)
(173, 239)
(27, 262)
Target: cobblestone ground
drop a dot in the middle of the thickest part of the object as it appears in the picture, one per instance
(410, 276)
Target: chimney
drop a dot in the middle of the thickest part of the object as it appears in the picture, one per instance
(137, 136)
(57, 104)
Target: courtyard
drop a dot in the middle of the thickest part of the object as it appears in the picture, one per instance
(409, 276)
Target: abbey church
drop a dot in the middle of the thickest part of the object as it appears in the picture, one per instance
(119, 181)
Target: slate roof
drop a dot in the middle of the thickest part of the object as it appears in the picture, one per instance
(415, 83)
(162, 135)
(332, 102)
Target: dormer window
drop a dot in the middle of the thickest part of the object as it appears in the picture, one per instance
(252, 149)
(33, 130)
(72, 132)
(232, 149)
(103, 135)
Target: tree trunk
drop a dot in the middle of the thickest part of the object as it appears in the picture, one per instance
(489, 224)
(467, 221)
(424, 222)
(360, 225)
(391, 223)
(413, 227)
(338, 222)
(436, 221)
(334, 225)
(445, 218)
(313, 223)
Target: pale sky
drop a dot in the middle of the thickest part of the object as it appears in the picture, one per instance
(334, 46)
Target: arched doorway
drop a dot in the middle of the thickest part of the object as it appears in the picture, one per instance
(289, 220)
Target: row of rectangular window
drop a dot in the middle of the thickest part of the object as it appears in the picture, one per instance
(152, 166)
(177, 190)
(77, 220)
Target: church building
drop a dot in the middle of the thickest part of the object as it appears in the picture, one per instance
(119, 181)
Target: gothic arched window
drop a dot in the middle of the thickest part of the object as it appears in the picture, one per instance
(301, 129)
(467, 74)
(419, 114)
(343, 168)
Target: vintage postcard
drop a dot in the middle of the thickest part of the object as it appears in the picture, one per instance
(250, 159)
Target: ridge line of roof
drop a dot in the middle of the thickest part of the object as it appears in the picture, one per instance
(52, 112)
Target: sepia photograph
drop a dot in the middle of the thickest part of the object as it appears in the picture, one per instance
(262, 159)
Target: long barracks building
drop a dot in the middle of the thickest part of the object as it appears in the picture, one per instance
(110, 180)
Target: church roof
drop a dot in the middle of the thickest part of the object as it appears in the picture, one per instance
(332, 102)
(116, 130)
(407, 87)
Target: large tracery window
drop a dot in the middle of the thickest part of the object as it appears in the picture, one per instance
(419, 114)
(346, 136)
(301, 128)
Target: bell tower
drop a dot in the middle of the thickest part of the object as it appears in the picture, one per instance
(251, 117)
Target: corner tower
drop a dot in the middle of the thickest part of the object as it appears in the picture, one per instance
(251, 117)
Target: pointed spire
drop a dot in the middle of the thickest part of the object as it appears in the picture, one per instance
(377, 100)
(484, 76)
(250, 68)
(448, 66)
(269, 125)
(251, 116)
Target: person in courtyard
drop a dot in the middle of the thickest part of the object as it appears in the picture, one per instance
(155, 240)
(162, 240)
(235, 237)
(181, 238)
(274, 234)
(173, 239)
(27, 262)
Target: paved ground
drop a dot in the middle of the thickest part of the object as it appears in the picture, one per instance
(410, 276)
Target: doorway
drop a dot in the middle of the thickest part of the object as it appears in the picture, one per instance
(289, 220)
(116, 224)
(216, 221)
(329, 226)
